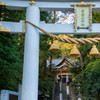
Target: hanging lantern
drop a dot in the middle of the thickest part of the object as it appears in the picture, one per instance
(54, 47)
(94, 51)
(74, 52)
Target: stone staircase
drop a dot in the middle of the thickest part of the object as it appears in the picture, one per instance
(64, 90)
(57, 91)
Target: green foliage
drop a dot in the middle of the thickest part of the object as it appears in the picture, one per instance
(10, 63)
(90, 81)
(85, 50)
(46, 83)
(44, 16)
(93, 66)
(75, 70)
(11, 52)
(96, 17)
(46, 78)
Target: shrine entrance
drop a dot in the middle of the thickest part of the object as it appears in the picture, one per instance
(32, 23)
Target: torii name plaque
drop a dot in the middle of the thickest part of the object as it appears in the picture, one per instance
(83, 15)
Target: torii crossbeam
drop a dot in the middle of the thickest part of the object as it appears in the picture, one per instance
(31, 52)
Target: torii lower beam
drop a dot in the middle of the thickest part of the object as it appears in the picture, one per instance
(14, 27)
(69, 29)
(18, 27)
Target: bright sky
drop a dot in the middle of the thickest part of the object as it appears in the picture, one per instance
(65, 18)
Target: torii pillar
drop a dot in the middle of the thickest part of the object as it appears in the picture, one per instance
(31, 56)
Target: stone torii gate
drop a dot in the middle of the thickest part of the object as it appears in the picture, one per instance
(31, 52)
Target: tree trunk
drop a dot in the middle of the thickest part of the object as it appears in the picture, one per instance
(44, 67)
(81, 61)
(50, 62)
(50, 57)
